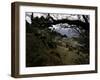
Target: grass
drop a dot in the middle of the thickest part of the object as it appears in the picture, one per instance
(44, 50)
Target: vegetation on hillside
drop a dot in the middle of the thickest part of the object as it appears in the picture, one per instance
(47, 47)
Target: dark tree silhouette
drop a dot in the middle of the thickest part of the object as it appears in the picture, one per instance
(49, 21)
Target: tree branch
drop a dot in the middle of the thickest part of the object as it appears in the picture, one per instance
(84, 25)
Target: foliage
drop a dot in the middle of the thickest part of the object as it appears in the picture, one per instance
(46, 47)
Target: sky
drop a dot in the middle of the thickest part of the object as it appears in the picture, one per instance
(64, 31)
(54, 15)
(69, 32)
